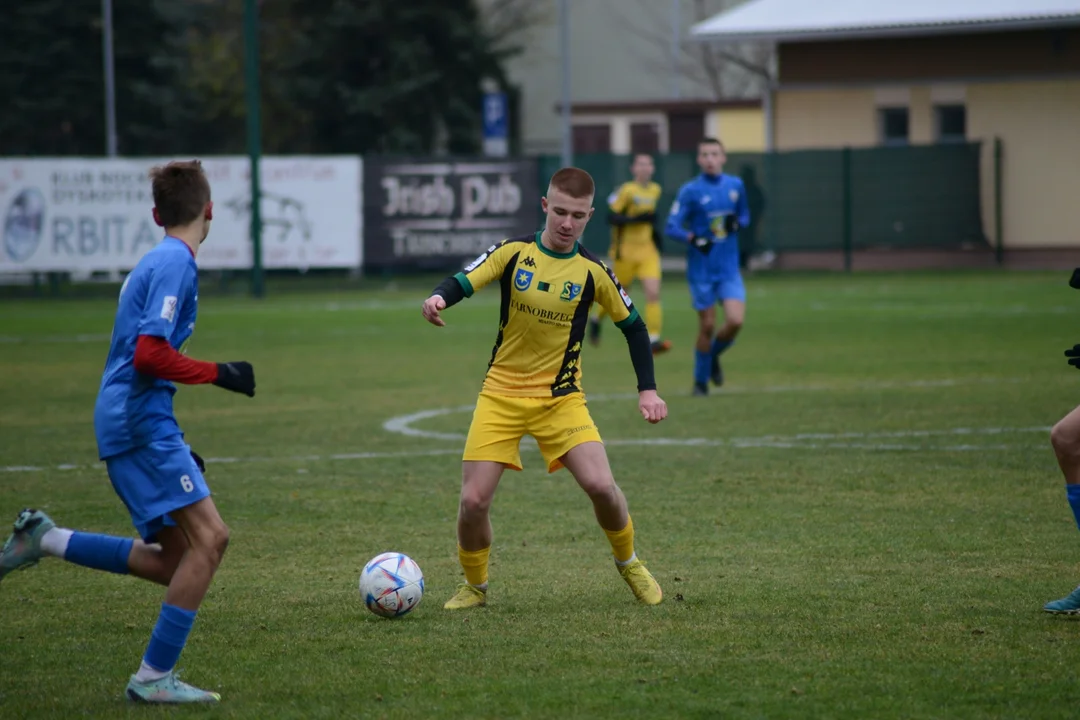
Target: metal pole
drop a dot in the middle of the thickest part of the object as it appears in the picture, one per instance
(999, 223)
(676, 47)
(564, 48)
(849, 241)
(254, 138)
(110, 78)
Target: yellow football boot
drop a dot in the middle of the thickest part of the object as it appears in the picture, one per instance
(467, 596)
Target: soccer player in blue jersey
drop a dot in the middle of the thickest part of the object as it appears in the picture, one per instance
(706, 216)
(155, 473)
(1065, 439)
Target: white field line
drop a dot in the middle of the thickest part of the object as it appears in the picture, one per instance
(874, 441)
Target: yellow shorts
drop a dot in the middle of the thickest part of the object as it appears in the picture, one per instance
(639, 263)
(559, 424)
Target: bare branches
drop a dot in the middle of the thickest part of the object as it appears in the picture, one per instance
(729, 71)
(507, 20)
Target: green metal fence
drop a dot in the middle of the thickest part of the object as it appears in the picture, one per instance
(836, 200)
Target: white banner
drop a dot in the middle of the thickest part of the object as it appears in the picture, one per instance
(87, 214)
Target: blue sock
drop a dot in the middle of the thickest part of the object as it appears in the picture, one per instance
(719, 346)
(702, 366)
(169, 637)
(100, 552)
(1073, 492)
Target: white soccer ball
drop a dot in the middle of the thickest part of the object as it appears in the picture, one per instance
(391, 584)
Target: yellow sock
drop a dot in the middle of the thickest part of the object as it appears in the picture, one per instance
(654, 319)
(622, 541)
(475, 564)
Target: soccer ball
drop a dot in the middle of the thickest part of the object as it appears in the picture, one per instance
(391, 584)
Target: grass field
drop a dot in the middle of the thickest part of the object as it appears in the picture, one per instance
(865, 522)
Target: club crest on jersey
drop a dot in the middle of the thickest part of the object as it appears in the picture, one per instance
(570, 291)
(522, 280)
(734, 195)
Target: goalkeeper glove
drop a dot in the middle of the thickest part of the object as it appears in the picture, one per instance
(731, 224)
(703, 244)
(199, 463)
(237, 376)
(1073, 354)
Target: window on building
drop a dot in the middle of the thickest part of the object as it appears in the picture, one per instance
(644, 138)
(685, 130)
(950, 123)
(893, 124)
(592, 138)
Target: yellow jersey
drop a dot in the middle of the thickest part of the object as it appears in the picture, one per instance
(632, 200)
(543, 314)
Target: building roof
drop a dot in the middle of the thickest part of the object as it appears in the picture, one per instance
(799, 20)
(665, 106)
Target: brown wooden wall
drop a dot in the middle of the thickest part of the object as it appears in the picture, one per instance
(968, 56)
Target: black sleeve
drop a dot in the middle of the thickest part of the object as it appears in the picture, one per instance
(450, 290)
(618, 219)
(637, 338)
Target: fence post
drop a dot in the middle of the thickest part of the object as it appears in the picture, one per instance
(846, 182)
(999, 241)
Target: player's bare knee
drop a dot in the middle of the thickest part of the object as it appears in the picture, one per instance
(1065, 441)
(600, 488)
(212, 541)
(474, 504)
(707, 329)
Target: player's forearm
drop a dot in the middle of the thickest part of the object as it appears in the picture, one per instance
(450, 290)
(637, 339)
(676, 232)
(155, 357)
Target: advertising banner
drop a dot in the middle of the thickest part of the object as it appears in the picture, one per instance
(87, 214)
(431, 213)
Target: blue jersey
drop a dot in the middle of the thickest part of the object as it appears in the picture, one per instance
(700, 208)
(158, 298)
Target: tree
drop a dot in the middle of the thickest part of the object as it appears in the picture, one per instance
(733, 71)
(50, 77)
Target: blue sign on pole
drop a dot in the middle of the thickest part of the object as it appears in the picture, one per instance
(496, 121)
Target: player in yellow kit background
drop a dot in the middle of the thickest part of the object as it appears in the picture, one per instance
(548, 282)
(635, 246)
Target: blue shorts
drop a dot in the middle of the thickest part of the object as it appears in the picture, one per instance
(155, 480)
(705, 294)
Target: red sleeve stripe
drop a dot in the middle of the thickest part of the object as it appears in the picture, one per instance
(154, 356)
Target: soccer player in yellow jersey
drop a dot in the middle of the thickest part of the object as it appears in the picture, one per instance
(635, 246)
(533, 385)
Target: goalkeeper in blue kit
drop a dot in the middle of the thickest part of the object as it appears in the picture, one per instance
(156, 474)
(706, 216)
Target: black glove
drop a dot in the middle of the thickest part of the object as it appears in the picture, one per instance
(1074, 281)
(237, 376)
(731, 224)
(703, 244)
(198, 461)
(1074, 356)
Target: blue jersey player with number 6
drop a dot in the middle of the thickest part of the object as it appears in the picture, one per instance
(706, 216)
(155, 473)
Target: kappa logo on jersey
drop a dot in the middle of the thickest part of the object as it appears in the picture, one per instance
(168, 308)
(625, 298)
(523, 280)
(529, 262)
